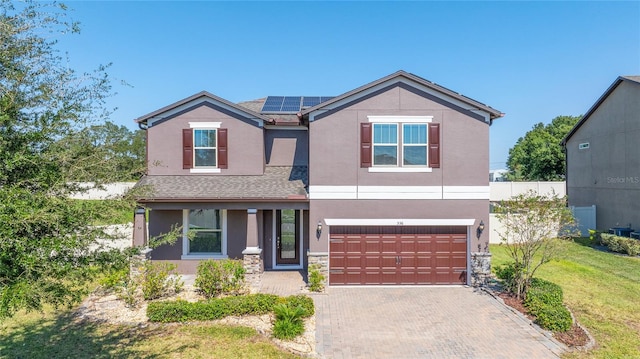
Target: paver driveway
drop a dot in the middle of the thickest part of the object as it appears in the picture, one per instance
(423, 322)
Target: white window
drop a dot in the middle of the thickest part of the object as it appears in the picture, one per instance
(209, 233)
(205, 148)
(414, 144)
(385, 144)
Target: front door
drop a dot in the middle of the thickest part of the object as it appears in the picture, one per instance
(287, 237)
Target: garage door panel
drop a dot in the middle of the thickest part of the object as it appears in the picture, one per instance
(398, 258)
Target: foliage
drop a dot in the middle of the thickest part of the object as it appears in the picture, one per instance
(57, 334)
(538, 156)
(619, 244)
(216, 308)
(215, 277)
(288, 323)
(300, 300)
(544, 300)
(47, 243)
(533, 226)
(601, 290)
(507, 273)
(159, 279)
(316, 278)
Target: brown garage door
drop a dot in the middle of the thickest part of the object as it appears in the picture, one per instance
(397, 255)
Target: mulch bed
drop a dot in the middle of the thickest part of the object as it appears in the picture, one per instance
(573, 338)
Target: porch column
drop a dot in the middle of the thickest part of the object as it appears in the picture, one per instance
(139, 228)
(252, 255)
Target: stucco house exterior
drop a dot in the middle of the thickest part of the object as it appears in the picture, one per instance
(384, 184)
(603, 156)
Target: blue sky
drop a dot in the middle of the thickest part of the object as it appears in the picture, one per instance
(531, 60)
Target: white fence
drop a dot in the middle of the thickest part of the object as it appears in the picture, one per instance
(500, 191)
(586, 218)
(108, 191)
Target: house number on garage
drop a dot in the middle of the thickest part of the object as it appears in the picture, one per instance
(400, 223)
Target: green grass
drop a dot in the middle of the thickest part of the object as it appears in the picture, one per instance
(58, 335)
(603, 291)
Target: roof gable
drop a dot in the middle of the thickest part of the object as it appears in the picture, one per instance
(409, 82)
(609, 91)
(202, 99)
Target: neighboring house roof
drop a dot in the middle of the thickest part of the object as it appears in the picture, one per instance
(614, 85)
(200, 96)
(277, 183)
(417, 79)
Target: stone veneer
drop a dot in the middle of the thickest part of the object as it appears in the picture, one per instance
(254, 267)
(322, 261)
(480, 268)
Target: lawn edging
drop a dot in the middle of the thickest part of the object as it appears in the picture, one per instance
(591, 342)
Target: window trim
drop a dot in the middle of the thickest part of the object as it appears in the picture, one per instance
(185, 239)
(374, 145)
(399, 121)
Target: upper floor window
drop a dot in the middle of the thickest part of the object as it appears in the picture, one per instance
(414, 144)
(204, 148)
(400, 144)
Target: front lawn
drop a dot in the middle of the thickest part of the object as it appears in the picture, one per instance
(50, 336)
(602, 290)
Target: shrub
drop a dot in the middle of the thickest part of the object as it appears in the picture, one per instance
(215, 277)
(544, 301)
(316, 279)
(114, 279)
(156, 282)
(302, 301)
(618, 244)
(507, 273)
(182, 311)
(288, 324)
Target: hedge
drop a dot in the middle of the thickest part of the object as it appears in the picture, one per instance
(544, 301)
(183, 311)
(619, 244)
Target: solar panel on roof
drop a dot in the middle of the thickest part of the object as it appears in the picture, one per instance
(310, 101)
(273, 104)
(291, 104)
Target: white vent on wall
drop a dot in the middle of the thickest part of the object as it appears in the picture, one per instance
(583, 146)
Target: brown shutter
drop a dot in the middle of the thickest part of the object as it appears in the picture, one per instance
(434, 145)
(222, 148)
(365, 145)
(187, 148)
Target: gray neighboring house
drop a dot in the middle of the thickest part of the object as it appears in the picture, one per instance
(384, 184)
(603, 156)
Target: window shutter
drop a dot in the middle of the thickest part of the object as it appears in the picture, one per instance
(434, 145)
(365, 145)
(187, 148)
(222, 148)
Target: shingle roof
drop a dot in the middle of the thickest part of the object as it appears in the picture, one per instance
(396, 75)
(277, 183)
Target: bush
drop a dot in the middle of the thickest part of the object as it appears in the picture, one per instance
(182, 311)
(215, 277)
(302, 301)
(216, 308)
(114, 279)
(316, 279)
(507, 273)
(544, 301)
(288, 324)
(156, 282)
(618, 244)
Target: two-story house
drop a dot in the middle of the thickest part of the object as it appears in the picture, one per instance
(384, 184)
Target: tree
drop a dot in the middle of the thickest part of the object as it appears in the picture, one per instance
(534, 225)
(44, 236)
(538, 156)
(115, 152)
